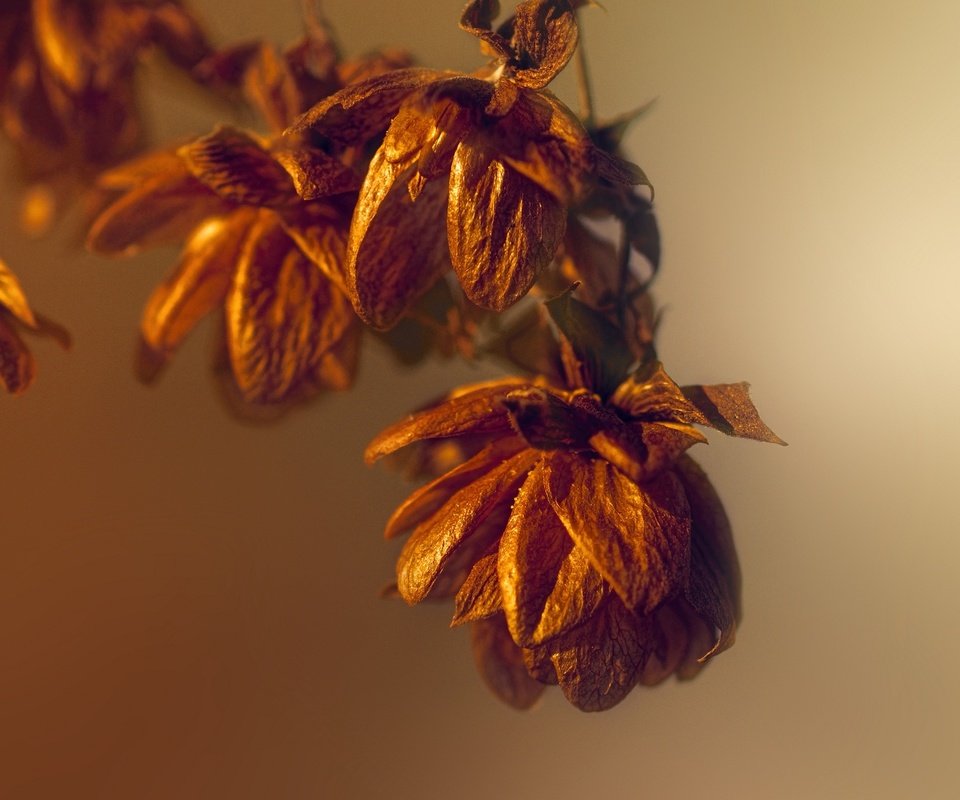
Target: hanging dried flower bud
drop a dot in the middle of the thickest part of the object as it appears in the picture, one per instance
(586, 546)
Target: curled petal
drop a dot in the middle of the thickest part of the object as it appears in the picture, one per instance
(500, 663)
(638, 538)
(547, 584)
(471, 410)
(650, 394)
(238, 168)
(434, 542)
(503, 228)
(545, 36)
(728, 408)
(60, 36)
(643, 450)
(545, 420)
(479, 596)
(477, 20)
(270, 84)
(198, 283)
(17, 368)
(314, 173)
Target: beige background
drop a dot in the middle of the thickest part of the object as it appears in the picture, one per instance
(188, 606)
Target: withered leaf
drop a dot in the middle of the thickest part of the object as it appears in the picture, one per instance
(472, 410)
(13, 299)
(503, 228)
(548, 585)
(500, 663)
(598, 663)
(395, 250)
(728, 408)
(545, 37)
(17, 368)
(283, 315)
(479, 596)
(638, 538)
(238, 168)
(434, 542)
(427, 499)
(198, 284)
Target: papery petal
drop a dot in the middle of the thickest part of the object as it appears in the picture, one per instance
(728, 408)
(362, 110)
(545, 35)
(651, 395)
(642, 450)
(502, 228)
(320, 230)
(17, 368)
(314, 173)
(714, 589)
(283, 315)
(238, 168)
(638, 538)
(434, 542)
(13, 299)
(547, 584)
(500, 664)
(198, 284)
(668, 642)
(598, 663)
(546, 420)
(477, 19)
(426, 500)
(479, 595)
(471, 410)
(396, 249)
(163, 209)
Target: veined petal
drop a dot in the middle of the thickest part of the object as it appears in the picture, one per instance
(314, 173)
(17, 368)
(270, 84)
(283, 315)
(198, 283)
(546, 420)
(13, 299)
(396, 250)
(320, 230)
(163, 209)
(477, 20)
(638, 538)
(503, 228)
(650, 394)
(238, 168)
(427, 499)
(479, 596)
(642, 450)
(547, 584)
(434, 542)
(545, 35)
(469, 411)
(728, 408)
(714, 589)
(500, 663)
(598, 663)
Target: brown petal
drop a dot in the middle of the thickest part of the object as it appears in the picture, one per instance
(546, 420)
(728, 408)
(163, 209)
(314, 173)
(477, 20)
(598, 663)
(669, 642)
(642, 451)
(637, 538)
(198, 283)
(427, 499)
(479, 596)
(434, 542)
(320, 230)
(13, 299)
(239, 168)
(500, 663)
(130, 174)
(283, 316)
(472, 410)
(548, 586)
(17, 368)
(396, 249)
(272, 87)
(545, 35)
(59, 34)
(714, 589)
(650, 394)
(178, 34)
(338, 366)
(503, 228)
(363, 110)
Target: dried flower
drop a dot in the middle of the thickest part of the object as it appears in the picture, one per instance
(67, 91)
(493, 153)
(583, 544)
(17, 368)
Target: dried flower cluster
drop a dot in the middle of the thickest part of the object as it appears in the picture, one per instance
(562, 516)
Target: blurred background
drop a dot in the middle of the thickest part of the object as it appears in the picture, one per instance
(189, 606)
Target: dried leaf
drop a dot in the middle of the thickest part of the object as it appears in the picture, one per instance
(547, 584)
(500, 664)
(17, 368)
(479, 596)
(728, 408)
(638, 538)
(13, 299)
(434, 542)
(198, 284)
(503, 229)
(238, 168)
(471, 410)
(283, 316)
(545, 36)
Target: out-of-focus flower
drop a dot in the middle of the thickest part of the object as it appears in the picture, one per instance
(585, 546)
(494, 154)
(67, 93)
(17, 367)
(272, 260)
